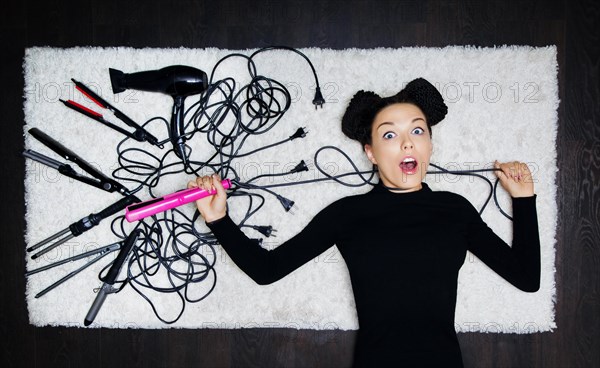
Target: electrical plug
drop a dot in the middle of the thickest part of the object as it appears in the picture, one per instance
(286, 203)
(265, 230)
(318, 100)
(300, 133)
(300, 167)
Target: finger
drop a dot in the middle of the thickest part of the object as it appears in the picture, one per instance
(514, 171)
(218, 185)
(519, 167)
(200, 182)
(526, 172)
(503, 173)
(192, 184)
(498, 172)
(511, 171)
(519, 171)
(206, 182)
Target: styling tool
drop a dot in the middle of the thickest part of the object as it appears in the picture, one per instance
(81, 226)
(111, 277)
(99, 180)
(139, 134)
(151, 207)
(100, 252)
(177, 81)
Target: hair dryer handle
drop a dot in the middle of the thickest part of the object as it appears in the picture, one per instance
(177, 128)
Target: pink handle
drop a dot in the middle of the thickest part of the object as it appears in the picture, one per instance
(151, 207)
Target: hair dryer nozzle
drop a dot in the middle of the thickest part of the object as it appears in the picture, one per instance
(117, 80)
(174, 80)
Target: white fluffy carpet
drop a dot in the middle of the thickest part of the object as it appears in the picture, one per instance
(502, 105)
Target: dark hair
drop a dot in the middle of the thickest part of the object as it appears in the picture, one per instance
(364, 106)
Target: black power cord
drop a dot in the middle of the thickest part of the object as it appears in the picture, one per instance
(175, 256)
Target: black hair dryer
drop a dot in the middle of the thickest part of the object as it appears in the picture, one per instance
(177, 81)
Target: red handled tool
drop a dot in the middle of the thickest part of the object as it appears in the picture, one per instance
(139, 134)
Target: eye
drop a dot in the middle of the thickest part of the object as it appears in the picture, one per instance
(418, 131)
(389, 135)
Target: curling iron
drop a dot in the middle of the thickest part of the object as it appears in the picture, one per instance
(151, 207)
(177, 81)
(111, 277)
(100, 253)
(81, 226)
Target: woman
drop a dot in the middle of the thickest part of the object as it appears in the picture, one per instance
(402, 242)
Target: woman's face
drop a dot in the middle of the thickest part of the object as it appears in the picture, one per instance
(400, 146)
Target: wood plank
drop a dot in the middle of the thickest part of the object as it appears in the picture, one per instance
(572, 26)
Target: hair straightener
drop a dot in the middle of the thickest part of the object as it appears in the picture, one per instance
(151, 207)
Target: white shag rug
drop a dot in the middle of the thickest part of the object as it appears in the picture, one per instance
(502, 105)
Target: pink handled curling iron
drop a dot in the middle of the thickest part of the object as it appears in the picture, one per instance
(151, 207)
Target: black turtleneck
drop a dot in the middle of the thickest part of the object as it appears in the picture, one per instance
(403, 252)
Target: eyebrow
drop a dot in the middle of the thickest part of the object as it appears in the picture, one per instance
(391, 123)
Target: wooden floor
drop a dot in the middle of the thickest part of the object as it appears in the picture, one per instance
(571, 25)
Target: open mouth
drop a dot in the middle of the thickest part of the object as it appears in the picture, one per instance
(409, 165)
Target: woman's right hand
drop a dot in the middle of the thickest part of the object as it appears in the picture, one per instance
(212, 207)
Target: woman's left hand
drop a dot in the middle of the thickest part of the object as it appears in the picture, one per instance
(515, 178)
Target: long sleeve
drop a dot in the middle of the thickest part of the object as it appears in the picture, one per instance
(519, 264)
(265, 266)
(403, 253)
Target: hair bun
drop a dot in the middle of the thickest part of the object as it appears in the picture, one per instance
(364, 106)
(428, 98)
(356, 120)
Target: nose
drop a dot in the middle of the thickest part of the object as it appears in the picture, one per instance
(407, 144)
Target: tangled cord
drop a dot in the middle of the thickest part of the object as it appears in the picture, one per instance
(175, 257)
